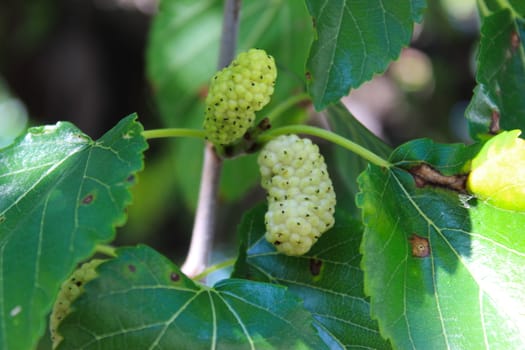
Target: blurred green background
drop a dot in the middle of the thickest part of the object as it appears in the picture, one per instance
(86, 61)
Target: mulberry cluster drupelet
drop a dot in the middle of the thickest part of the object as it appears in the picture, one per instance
(301, 198)
(236, 93)
(70, 290)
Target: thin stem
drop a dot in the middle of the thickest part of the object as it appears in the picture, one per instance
(329, 136)
(173, 132)
(213, 268)
(204, 225)
(281, 108)
(106, 250)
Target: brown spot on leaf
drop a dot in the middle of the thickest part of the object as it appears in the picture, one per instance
(494, 123)
(132, 268)
(315, 266)
(174, 276)
(420, 246)
(514, 41)
(425, 175)
(88, 199)
(308, 76)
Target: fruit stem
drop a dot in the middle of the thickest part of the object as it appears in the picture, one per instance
(213, 268)
(329, 136)
(285, 105)
(173, 132)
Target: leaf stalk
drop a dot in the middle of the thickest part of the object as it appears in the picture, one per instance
(329, 136)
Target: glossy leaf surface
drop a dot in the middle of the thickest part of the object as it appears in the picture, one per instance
(61, 193)
(142, 301)
(354, 41)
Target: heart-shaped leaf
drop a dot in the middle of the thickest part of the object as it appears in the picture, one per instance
(140, 300)
(61, 193)
(354, 41)
(443, 269)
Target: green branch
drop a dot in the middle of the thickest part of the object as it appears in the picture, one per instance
(173, 132)
(329, 136)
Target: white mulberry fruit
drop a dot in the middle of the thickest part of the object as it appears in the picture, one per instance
(301, 198)
(70, 290)
(236, 93)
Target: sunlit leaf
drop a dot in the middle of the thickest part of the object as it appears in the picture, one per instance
(443, 269)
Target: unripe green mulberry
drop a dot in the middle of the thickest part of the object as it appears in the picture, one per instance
(236, 93)
(301, 198)
(70, 290)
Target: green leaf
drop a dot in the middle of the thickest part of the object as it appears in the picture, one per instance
(443, 269)
(60, 194)
(348, 164)
(354, 41)
(142, 301)
(327, 278)
(498, 101)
